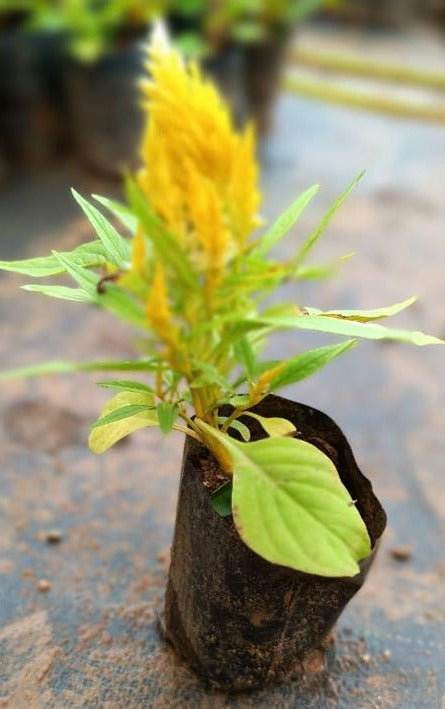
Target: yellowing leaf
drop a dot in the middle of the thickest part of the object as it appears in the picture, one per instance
(261, 387)
(103, 437)
(274, 426)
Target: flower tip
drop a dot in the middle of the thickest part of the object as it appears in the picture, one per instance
(159, 40)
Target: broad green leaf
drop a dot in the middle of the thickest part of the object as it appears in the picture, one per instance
(166, 413)
(221, 499)
(365, 315)
(120, 211)
(61, 292)
(245, 355)
(63, 367)
(170, 251)
(237, 426)
(291, 508)
(118, 249)
(318, 231)
(273, 426)
(124, 385)
(113, 425)
(335, 326)
(91, 254)
(284, 222)
(306, 363)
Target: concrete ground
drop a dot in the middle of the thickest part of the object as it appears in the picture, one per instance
(91, 639)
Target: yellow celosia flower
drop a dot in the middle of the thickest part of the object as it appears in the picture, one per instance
(198, 174)
(139, 255)
(157, 308)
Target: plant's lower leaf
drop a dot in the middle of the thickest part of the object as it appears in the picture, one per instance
(272, 425)
(237, 426)
(123, 414)
(221, 499)
(291, 508)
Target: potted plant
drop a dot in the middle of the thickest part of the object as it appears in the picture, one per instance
(276, 526)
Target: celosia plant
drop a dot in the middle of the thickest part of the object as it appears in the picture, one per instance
(192, 276)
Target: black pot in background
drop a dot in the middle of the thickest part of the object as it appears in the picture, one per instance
(240, 621)
(102, 102)
(32, 129)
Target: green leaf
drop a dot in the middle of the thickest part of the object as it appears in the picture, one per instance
(208, 374)
(166, 413)
(365, 315)
(291, 508)
(63, 367)
(221, 499)
(306, 363)
(61, 292)
(284, 222)
(124, 385)
(124, 413)
(118, 249)
(273, 426)
(238, 426)
(113, 299)
(245, 355)
(91, 254)
(335, 326)
(318, 231)
(120, 211)
(170, 251)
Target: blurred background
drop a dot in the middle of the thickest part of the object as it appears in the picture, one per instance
(334, 87)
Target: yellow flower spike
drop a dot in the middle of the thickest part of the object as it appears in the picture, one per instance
(198, 174)
(261, 386)
(157, 308)
(139, 252)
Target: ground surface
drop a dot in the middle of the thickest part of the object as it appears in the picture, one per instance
(92, 639)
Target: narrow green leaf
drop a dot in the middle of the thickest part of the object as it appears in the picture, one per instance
(245, 355)
(318, 231)
(91, 254)
(166, 413)
(84, 278)
(284, 222)
(61, 292)
(349, 328)
(120, 211)
(63, 367)
(221, 499)
(306, 363)
(124, 385)
(123, 412)
(291, 508)
(208, 374)
(113, 425)
(365, 315)
(118, 249)
(237, 426)
(273, 426)
(170, 251)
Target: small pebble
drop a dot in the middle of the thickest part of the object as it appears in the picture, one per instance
(53, 536)
(43, 585)
(366, 658)
(386, 655)
(402, 553)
